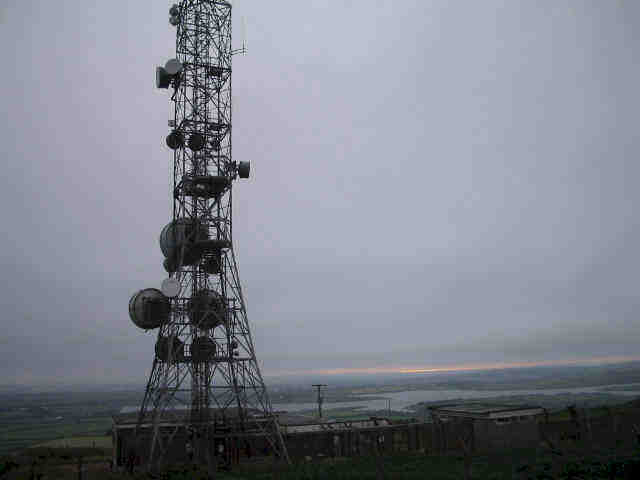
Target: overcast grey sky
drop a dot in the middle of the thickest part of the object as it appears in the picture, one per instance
(433, 182)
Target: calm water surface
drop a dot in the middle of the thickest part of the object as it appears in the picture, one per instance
(401, 400)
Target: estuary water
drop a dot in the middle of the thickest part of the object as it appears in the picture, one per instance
(400, 401)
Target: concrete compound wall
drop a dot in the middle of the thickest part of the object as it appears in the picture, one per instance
(354, 442)
(490, 436)
(233, 449)
(430, 438)
(605, 431)
(426, 437)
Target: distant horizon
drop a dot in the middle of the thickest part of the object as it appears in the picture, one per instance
(608, 360)
(346, 372)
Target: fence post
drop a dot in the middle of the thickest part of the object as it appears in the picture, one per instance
(465, 438)
(80, 468)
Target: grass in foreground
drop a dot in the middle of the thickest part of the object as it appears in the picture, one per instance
(515, 464)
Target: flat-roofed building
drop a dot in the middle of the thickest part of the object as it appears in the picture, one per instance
(304, 436)
(493, 427)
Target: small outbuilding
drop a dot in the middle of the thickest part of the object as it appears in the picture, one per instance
(489, 427)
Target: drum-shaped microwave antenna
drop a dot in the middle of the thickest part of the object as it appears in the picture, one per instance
(169, 265)
(175, 140)
(196, 142)
(163, 79)
(149, 308)
(162, 349)
(186, 255)
(173, 66)
(206, 309)
(165, 74)
(174, 10)
(177, 241)
(243, 169)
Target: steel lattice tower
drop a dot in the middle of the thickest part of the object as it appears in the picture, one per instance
(205, 376)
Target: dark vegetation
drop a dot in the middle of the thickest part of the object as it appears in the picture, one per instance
(31, 418)
(515, 464)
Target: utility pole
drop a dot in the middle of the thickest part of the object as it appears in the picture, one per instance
(320, 399)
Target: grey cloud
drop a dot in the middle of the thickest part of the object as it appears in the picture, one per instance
(433, 182)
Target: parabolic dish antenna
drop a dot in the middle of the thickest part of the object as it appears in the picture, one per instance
(173, 66)
(170, 287)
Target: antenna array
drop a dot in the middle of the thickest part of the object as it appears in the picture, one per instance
(205, 380)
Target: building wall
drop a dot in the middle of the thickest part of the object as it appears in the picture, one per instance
(492, 436)
(234, 449)
(605, 431)
(428, 437)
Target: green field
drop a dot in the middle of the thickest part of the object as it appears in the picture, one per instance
(15, 436)
(33, 418)
(75, 442)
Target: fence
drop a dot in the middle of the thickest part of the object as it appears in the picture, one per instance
(431, 438)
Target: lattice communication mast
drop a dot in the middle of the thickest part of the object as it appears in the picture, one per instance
(205, 377)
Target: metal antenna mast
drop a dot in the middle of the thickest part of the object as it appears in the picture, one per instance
(205, 378)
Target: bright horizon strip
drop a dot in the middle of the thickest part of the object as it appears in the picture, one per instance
(466, 367)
